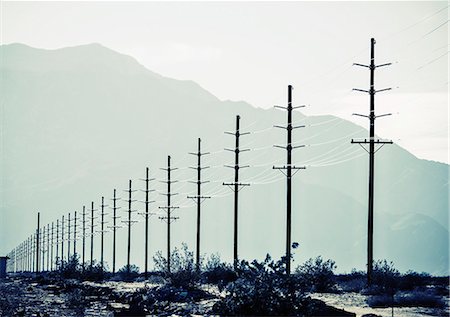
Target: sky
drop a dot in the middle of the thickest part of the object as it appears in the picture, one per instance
(251, 51)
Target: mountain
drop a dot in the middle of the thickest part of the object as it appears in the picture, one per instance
(78, 122)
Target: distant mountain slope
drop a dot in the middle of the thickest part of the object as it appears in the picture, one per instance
(80, 121)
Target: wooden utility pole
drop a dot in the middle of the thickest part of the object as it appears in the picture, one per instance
(62, 241)
(147, 214)
(92, 234)
(102, 230)
(288, 168)
(199, 199)
(75, 234)
(51, 263)
(57, 244)
(37, 243)
(68, 239)
(236, 185)
(371, 151)
(83, 251)
(114, 227)
(129, 222)
(169, 207)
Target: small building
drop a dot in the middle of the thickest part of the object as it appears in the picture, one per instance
(3, 260)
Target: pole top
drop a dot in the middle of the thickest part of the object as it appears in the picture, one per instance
(372, 40)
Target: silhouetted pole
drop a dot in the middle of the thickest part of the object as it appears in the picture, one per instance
(198, 199)
(147, 215)
(57, 243)
(75, 234)
(102, 229)
(235, 186)
(37, 243)
(68, 239)
(83, 251)
(168, 208)
(43, 248)
(288, 168)
(114, 227)
(92, 233)
(129, 222)
(62, 241)
(371, 152)
(51, 263)
(48, 247)
(33, 252)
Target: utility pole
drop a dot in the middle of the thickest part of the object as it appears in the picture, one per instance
(37, 243)
(68, 239)
(57, 243)
(83, 251)
(371, 151)
(129, 222)
(48, 247)
(199, 199)
(147, 214)
(33, 251)
(102, 231)
(92, 233)
(62, 241)
(287, 171)
(236, 186)
(75, 234)
(169, 207)
(43, 248)
(114, 227)
(51, 263)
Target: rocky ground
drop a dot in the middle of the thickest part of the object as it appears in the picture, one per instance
(24, 296)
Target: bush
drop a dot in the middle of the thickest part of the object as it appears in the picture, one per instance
(353, 282)
(419, 299)
(183, 272)
(412, 280)
(262, 288)
(128, 273)
(385, 278)
(407, 299)
(218, 272)
(317, 275)
(71, 268)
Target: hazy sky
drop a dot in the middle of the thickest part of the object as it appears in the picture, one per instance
(252, 50)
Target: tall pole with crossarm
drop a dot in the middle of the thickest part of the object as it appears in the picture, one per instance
(169, 218)
(199, 199)
(236, 185)
(372, 142)
(287, 170)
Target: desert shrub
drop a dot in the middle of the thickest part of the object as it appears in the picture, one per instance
(218, 272)
(94, 272)
(71, 268)
(127, 273)
(407, 299)
(262, 288)
(419, 299)
(385, 277)
(317, 275)
(411, 280)
(183, 272)
(353, 282)
(76, 300)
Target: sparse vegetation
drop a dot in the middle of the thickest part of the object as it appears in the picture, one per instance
(317, 275)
